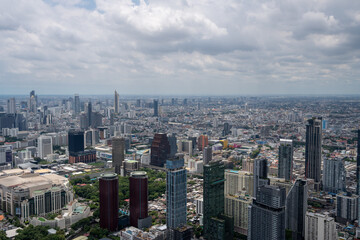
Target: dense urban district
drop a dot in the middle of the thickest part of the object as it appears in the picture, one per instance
(136, 167)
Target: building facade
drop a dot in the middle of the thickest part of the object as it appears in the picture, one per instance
(139, 200)
(267, 214)
(313, 149)
(109, 201)
(295, 209)
(118, 153)
(160, 150)
(319, 227)
(175, 193)
(334, 175)
(285, 166)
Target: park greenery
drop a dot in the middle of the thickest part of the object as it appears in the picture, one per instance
(38, 233)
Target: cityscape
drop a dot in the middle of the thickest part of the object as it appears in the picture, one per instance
(179, 120)
(131, 167)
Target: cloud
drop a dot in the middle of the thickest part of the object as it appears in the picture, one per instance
(179, 47)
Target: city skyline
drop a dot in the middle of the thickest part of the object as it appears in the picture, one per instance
(159, 47)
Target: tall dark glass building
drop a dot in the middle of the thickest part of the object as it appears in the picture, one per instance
(267, 214)
(295, 209)
(260, 174)
(75, 141)
(139, 200)
(285, 166)
(216, 224)
(313, 149)
(109, 201)
(160, 150)
(156, 108)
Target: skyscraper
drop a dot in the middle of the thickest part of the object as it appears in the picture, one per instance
(334, 175)
(11, 106)
(285, 166)
(77, 104)
(295, 209)
(32, 102)
(260, 174)
(156, 108)
(217, 225)
(118, 153)
(116, 103)
(173, 145)
(203, 141)
(75, 141)
(89, 114)
(45, 146)
(207, 154)
(175, 193)
(267, 214)
(109, 201)
(313, 149)
(358, 164)
(160, 150)
(139, 200)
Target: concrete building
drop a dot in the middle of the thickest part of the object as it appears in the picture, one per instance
(319, 227)
(237, 206)
(238, 181)
(334, 175)
(207, 154)
(346, 207)
(45, 146)
(118, 153)
(33, 195)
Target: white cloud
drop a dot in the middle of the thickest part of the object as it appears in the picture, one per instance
(178, 46)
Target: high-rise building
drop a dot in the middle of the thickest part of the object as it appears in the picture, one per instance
(358, 164)
(89, 113)
(267, 214)
(77, 104)
(116, 102)
(207, 154)
(285, 166)
(109, 201)
(226, 130)
(203, 141)
(160, 150)
(118, 153)
(319, 227)
(295, 209)
(238, 181)
(139, 200)
(11, 106)
(260, 174)
(173, 145)
(84, 122)
(236, 206)
(334, 175)
(156, 108)
(45, 146)
(32, 102)
(346, 207)
(175, 193)
(75, 141)
(217, 225)
(313, 149)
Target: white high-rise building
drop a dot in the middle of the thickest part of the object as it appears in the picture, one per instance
(319, 227)
(45, 146)
(11, 106)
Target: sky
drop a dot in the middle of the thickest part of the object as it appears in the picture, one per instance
(191, 47)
